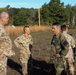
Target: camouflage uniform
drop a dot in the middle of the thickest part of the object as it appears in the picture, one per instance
(70, 55)
(74, 49)
(21, 42)
(5, 48)
(59, 45)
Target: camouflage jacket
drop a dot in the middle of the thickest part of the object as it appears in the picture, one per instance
(24, 41)
(5, 42)
(71, 42)
(59, 45)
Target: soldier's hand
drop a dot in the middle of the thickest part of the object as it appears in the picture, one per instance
(58, 55)
(2, 55)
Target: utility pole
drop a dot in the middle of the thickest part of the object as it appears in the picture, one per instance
(39, 16)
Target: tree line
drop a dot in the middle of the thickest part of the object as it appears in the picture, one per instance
(49, 13)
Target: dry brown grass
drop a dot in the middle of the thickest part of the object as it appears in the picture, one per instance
(39, 28)
(17, 30)
(14, 31)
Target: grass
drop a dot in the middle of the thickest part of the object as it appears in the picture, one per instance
(17, 30)
(40, 53)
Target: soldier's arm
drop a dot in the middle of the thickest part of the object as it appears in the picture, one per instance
(19, 44)
(8, 51)
(72, 42)
(2, 40)
(65, 46)
(5, 43)
(1, 50)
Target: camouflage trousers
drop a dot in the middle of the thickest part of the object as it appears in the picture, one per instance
(69, 66)
(3, 66)
(59, 65)
(24, 61)
(25, 68)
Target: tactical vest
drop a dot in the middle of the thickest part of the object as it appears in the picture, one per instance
(57, 43)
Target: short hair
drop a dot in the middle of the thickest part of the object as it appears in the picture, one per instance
(56, 24)
(2, 14)
(25, 28)
(63, 27)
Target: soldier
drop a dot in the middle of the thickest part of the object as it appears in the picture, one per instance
(5, 43)
(24, 42)
(69, 56)
(60, 47)
(74, 49)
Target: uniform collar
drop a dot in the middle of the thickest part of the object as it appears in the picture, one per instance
(58, 35)
(26, 35)
(64, 32)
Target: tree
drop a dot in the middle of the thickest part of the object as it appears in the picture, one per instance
(20, 18)
(57, 11)
(45, 14)
(3, 9)
(71, 16)
(74, 15)
(53, 11)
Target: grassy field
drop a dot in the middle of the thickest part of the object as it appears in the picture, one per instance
(40, 54)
